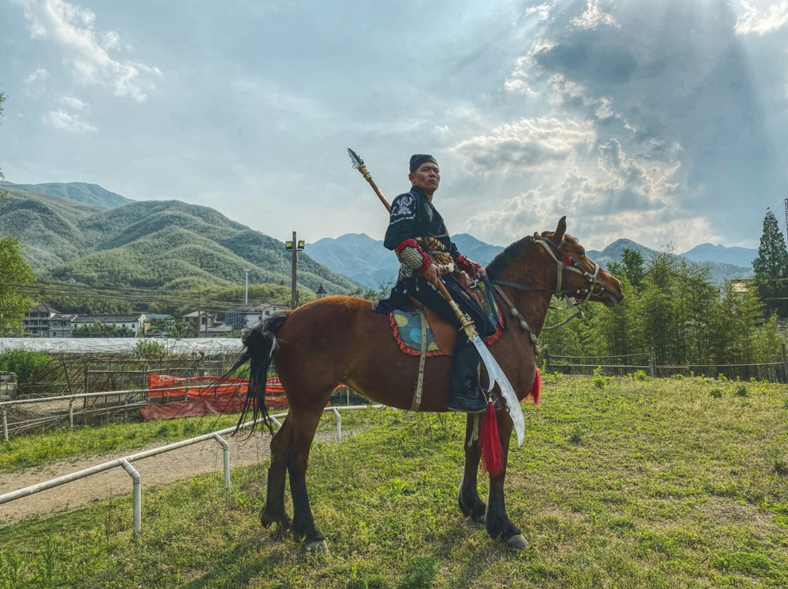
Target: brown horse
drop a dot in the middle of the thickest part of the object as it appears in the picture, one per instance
(341, 340)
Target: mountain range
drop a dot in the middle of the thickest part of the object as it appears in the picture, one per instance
(365, 260)
(81, 232)
(91, 236)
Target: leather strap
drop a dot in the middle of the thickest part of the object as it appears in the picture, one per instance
(422, 362)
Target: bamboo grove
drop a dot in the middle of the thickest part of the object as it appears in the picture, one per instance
(673, 307)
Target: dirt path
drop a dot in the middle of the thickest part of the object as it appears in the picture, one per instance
(162, 469)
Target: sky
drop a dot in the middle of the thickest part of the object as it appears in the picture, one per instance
(661, 122)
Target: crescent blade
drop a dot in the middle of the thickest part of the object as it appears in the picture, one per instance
(497, 375)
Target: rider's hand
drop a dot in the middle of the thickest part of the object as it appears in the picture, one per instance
(432, 275)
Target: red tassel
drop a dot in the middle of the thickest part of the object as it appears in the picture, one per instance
(536, 387)
(490, 443)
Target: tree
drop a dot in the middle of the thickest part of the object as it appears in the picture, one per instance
(15, 273)
(771, 267)
(632, 265)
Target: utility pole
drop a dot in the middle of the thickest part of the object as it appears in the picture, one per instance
(786, 220)
(294, 246)
(246, 287)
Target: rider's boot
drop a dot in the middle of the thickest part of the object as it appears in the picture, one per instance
(464, 392)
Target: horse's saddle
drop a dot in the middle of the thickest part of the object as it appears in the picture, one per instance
(440, 334)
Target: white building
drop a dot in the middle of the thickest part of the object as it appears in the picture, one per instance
(247, 317)
(135, 322)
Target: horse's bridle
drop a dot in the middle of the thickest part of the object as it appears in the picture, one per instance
(564, 265)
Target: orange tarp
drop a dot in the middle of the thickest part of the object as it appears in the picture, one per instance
(202, 398)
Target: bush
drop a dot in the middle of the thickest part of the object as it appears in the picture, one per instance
(741, 391)
(24, 364)
(716, 393)
(149, 349)
(641, 375)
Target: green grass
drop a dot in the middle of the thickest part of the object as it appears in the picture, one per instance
(666, 487)
(32, 451)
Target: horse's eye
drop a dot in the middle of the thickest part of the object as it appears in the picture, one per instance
(582, 252)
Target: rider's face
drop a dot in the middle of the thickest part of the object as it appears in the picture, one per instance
(427, 177)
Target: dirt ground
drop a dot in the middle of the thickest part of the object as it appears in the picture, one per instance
(162, 469)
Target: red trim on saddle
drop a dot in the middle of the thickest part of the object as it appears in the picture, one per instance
(403, 347)
(490, 443)
(406, 349)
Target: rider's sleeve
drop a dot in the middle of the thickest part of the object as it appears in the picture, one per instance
(412, 256)
(402, 222)
(463, 262)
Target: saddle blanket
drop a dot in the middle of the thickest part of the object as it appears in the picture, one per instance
(406, 326)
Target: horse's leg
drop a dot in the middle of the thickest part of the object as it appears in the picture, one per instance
(470, 503)
(297, 456)
(274, 510)
(498, 523)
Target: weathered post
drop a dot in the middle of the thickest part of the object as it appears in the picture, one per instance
(652, 365)
(546, 354)
(71, 413)
(785, 362)
(5, 425)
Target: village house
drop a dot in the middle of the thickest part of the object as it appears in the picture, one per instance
(37, 320)
(133, 321)
(245, 318)
(199, 321)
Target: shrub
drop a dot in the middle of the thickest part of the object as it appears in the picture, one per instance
(149, 349)
(677, 377)
(641, 375)
(24, 364)
(576, 435)
(716, 393)
(741, 391)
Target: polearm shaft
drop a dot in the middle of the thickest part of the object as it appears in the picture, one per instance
(359, 164)
(465, 323)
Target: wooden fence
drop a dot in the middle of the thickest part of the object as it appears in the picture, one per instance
(631, 363)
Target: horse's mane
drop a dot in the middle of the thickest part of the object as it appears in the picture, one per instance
(508, 255)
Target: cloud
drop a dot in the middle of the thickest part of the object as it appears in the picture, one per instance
(543, 10)
(39, 75)
(523, 145)
(60, 119)
(615, 196)
(72, 28)
(593, 17)
(753, 22)
(73, 103)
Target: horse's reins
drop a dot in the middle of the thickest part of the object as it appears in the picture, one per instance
(564, 264)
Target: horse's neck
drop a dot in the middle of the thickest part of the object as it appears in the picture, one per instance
(534, 272)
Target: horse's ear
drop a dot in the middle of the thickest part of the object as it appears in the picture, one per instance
(558, 236)
(537, 235)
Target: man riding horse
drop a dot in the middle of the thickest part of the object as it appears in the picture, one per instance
(418, 235)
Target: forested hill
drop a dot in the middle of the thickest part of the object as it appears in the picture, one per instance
(150, 244)
(89, 194)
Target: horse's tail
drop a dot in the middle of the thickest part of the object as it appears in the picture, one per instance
(260, 345)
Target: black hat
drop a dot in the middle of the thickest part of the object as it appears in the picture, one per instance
(419, 158)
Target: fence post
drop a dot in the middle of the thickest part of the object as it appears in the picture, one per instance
(5, 425)
(71, 413)
(136, 497)
(546, 354)
(785, 362)
(339, 424)
(651, 362)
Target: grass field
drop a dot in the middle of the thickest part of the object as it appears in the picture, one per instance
(619, 483)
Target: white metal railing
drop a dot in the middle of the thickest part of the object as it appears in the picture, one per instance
(70, 398)
(125, 463)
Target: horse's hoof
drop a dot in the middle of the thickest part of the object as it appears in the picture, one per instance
(516, 542)
(316, 547)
